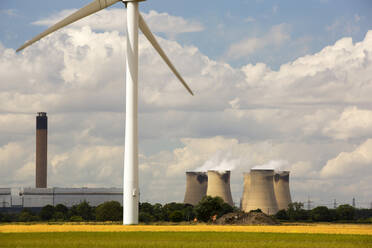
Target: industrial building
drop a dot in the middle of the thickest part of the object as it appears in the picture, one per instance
(219, 185)
(260, 193)
(281, 189)
(41, 195)
(38, 197)
(196, 187)
(5, 197)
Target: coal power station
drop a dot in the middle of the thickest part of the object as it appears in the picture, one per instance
(267, 189)
(196, 187)
(41, 195)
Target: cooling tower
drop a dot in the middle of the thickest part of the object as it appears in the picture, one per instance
(247, 185)
(261, 192)
(219, 185)
(196, 187)
(281, 189)
(41, 149)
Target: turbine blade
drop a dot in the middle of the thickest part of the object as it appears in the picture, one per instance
(146, 31)
(81, 13)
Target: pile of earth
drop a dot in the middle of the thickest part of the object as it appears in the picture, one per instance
(242, 218)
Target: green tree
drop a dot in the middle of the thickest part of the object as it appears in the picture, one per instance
(282, 215)
(321, 213)
(176, 216)
(84, 210)
(157, 209)
(345, 212)
(26, 216)
(61, 208)
(296, 212)
(111, 211)
(145, 217)
(210, 206)
(47, 212)
(76, 218)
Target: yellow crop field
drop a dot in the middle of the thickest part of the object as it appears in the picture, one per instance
(313, 228)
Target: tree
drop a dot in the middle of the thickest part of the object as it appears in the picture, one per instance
(210, 206)
(345, 212)
(321, 213)
(176, 216)
(157, 211)
(25, 216)
(85, 210)
(109, 211)
(282, 215)
(145, 217)
(296, 212)
(47, 212)
(61, 208)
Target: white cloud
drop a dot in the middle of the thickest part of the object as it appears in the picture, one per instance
(354, 164)
(258, 114)
(115, 19)
(276, 36)
(352, 123)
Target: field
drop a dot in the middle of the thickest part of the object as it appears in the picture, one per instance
(185, 236)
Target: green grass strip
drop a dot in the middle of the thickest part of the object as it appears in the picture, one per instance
(182, 239)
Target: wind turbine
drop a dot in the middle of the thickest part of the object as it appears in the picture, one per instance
(134, 21)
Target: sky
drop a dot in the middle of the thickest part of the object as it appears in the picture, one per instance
(284, 83)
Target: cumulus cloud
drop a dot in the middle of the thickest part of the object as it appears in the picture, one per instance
(115, 19)
(350, 164)
(352, 123)
(254, 113)
(276, 36)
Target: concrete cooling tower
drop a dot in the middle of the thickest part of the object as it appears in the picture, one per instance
(247, 185)
(41, 149)
(196, 187)
(281, 189)
(261, 192)
(219, 185)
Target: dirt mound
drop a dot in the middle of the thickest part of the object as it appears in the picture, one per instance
(241, 218)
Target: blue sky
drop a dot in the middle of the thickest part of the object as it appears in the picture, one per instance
(286, 81)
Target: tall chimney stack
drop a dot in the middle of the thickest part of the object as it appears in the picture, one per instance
(41, 149)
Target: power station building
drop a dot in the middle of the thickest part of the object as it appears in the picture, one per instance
(5, 197)
(196, 187)
(281, 189)
(213, 183)
(266, 190)
(41, 195)
(219, 185)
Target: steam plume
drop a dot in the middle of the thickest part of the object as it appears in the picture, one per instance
(220, 161)
(271, 165)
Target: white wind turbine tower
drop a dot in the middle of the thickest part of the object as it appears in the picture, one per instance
(134, 20)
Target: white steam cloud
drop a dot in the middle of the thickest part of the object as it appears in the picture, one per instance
(220, 161)
(271, 165)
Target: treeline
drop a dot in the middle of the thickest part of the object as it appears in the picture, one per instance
(206, 210)
(343, 213)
